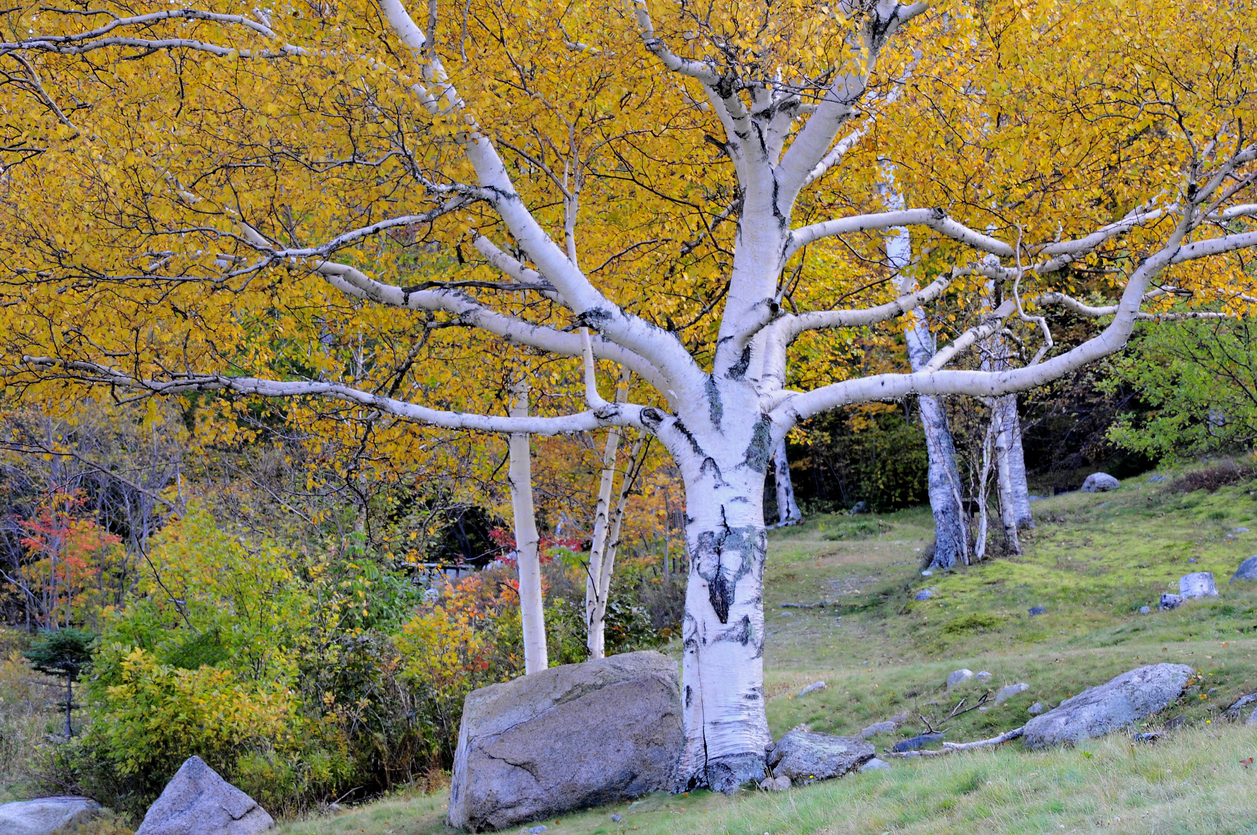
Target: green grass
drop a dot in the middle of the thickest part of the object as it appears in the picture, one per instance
(1092, 562)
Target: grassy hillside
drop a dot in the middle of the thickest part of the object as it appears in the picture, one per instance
(1091, 563)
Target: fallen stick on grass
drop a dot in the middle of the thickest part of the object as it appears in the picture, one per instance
(949, 747)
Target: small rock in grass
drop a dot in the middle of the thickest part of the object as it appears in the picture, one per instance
(1247, 570)
(1191, 560)
(1156, 478)
(1100, 483)
(616, 818)
(875, 765)
(878, 728)
(1170, 601)
(1240, 530)
(914, 743)
(983, 709)
(785, 614)
(1037, 610)
(812, 688)
(927, 573)
(958, 677)
(924, 594)
(1199, 584)
(537, 830)
(1035, 709)
(1006, 693)
(804, 756)
(983, 675)
(1143, 610)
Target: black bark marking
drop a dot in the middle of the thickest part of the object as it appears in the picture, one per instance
(738, 370)
(689, 695)
(709, 464)
(652, 418)
(714, 404)
(759, 450)
(685, 433)
(741, 633)
(724, 557)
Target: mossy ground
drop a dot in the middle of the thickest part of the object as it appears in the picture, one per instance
(1091, 563)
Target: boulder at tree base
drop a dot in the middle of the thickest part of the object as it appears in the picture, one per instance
(46, 815)
(197, 801)
(566, 738)
(1121, 702)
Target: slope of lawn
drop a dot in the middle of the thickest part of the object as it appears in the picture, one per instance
(1091, 563)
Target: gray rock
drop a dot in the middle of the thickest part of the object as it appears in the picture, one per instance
(197, 801)
(1143, 610)
(1192, 560)
(566, 738)
(958, 677)
(775, 784)
(1247, 572)
(1156, 478)
(1100, 483)
(616, 818)
(858, 508)
(537, 830)
(924, 594)
(805, 756)
(1170, 601)
(913, 743)
(1006, 693)
(1245, 704)
(878, 728)
(875, 765)
(983, 675)
(927, 573)
(1035, 709)
(1036, 610)
(812, 688)
(1100, 710)
(1199, 584)
(46, 815)
(1240, 530)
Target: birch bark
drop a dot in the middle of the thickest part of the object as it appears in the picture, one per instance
(788, 512)
(527, 542)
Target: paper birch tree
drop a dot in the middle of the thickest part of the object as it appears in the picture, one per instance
(205, 201)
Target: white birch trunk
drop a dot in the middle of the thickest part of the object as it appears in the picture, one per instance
(599, 564)
(1002, 442)
(527, 542)
(788, 512)
(598, 624)
(1017, 464)
(951, 523)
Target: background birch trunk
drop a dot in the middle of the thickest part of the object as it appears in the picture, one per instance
(788, 512)
(951, 523)
(1017, 464)
(527, 542)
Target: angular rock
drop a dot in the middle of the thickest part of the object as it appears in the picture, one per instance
(1198, 584)
(46, 815)
(1247, 572)
(1170, 601)
(878, 728)
(913, 743)
(198, 801)
(1143, 610)
(1100, 483)
(1006, 693)
(1123, 701)
(1245, 704)
(1035, 709)
(812, 688)
(875, 765)
(924, 594)
(566, 738)
(805, 756)
(1157, 478)
(983, 675)
(1036, 610)
(959, 677)
(775, 784)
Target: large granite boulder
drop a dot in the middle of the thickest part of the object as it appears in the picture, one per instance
(580, 735)
(1247, 572)
(197, 801)
(1100, 483)
(46, 815)
(1100, 710)
(805, 756)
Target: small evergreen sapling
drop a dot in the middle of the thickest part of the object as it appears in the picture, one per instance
(65, 653)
